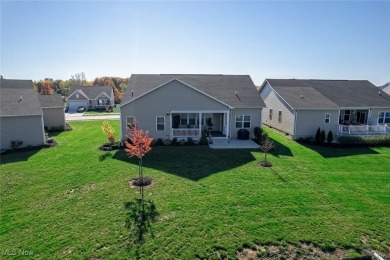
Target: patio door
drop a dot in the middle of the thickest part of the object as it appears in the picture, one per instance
(361, 117)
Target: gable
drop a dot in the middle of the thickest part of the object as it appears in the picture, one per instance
(176, 95)
(73, 96)
(181, 91)
(236, 91)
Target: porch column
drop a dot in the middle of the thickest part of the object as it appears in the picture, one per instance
(170, 126)
(200, 125)
(228, 124)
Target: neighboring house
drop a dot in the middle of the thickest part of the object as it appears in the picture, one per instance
(298, 107)
(386, 88)
(53, 111)
(181, 106)
(21, 116)
(95, 97)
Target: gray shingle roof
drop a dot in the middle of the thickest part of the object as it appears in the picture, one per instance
(221, 87)
(329, 93)
(93, 91)
(17, 98)
(54, 100)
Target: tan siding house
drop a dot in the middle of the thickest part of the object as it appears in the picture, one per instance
(181, 106)
(352, 107)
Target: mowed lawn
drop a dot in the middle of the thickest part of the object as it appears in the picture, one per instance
(67, 201)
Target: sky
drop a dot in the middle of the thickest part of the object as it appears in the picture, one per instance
(263, 39)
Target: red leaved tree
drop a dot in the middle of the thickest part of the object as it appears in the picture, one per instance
(139, 145)
(47, 89)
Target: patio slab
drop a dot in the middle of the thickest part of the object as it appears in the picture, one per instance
(236, 144)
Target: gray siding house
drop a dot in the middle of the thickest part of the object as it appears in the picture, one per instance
(21, 116)
(346, 107)
(53, 111)
(181, 106)
(95, 97)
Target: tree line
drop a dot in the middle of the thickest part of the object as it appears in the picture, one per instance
(49, 86)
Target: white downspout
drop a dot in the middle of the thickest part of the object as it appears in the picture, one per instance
(295, 123)
(43, 129)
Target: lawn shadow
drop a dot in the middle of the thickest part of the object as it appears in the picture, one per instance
(191, 162)
(277, 174)
(140, 216)
(334, 152)
(280, 149)
(105, 156)
(19, 155)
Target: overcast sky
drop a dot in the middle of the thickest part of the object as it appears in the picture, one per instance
(300, 39)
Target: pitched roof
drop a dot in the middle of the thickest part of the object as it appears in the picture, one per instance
(54, 100)
(92, 92)
(18, 100)
(16, 83)
(329, 93)
(220, 87)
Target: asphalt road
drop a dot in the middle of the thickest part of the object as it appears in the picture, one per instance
(82, 117)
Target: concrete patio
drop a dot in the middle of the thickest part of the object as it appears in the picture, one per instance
(236, 144)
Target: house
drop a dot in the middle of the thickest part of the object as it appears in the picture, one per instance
(298, 107)
(182, 105)
(21, 116)
(53, 111)
(386, 88)
(95, 97)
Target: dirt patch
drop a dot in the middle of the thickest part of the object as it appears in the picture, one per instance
(265, 164)
(301, 251)
(146, 182)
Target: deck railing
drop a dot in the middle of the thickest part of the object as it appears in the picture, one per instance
(184, 132)
(364, 130)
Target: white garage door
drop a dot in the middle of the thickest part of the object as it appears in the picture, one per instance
(73, 105)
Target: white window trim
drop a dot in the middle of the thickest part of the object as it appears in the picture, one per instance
(280, 116)
(271, 111)
(160, 123)
(327, 117)
(243, 121)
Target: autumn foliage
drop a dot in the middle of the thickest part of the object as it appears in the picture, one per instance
(139, 142)
(47, 89)
(109, 131)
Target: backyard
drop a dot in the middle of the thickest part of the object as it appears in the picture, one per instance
(68, 201)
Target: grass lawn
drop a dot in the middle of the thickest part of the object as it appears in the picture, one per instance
(67, 201)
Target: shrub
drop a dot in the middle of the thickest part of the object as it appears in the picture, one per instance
(189, 141)
(322, 137)
(174, 141)
(329, 137)
(203, 139)
(318, 135)
(15, 144)
(167, 142)
(159, 141)
(258, 133)
(365, 140)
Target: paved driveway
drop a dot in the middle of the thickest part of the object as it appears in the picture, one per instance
(82, 117)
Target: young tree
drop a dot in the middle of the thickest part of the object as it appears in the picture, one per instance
(109, 131)
(266, 146)
(139, 145)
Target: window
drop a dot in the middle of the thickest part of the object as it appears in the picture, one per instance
(77, 95)
(189, 119)
(280, 117)
(327, 118)
(383, 117)
(160, 123)
(130, 120)
(270, 114)
(243, 121)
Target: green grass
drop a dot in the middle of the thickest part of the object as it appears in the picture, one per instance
(67, 201)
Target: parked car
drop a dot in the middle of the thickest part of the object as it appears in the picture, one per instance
(80, 109)
(66, 109)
